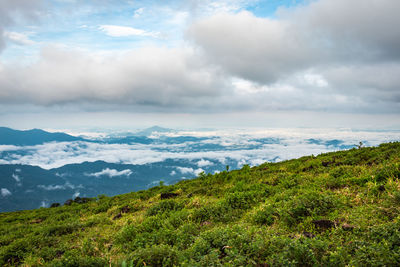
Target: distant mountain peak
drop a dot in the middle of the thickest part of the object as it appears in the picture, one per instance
(149, 131)
(10, 136)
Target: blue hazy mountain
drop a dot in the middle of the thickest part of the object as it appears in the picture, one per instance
(32, 137)
(180, 157)
(149, 131)
(31, 187)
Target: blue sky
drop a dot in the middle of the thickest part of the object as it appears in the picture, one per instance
(200, 63)
(78, 24)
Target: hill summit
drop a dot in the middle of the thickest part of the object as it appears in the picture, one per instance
(335, 209)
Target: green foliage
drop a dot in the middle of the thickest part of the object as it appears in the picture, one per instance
(155, 256)
(164, 206)
(261, 215)
(242, 200)
(265, 216)
(73, 258)
(307, 204)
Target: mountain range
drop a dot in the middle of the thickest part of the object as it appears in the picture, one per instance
(38, 168)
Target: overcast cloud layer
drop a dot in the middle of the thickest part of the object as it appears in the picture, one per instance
(324, 55)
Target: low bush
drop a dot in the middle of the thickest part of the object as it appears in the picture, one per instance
(265, 216)
(307, 204)
(160, 255)
(164, 206)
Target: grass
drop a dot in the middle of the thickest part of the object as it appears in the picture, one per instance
(334, 209)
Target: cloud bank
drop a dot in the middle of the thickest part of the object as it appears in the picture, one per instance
(321, 55)
(244, 147)
(67, 185)
(111, 173)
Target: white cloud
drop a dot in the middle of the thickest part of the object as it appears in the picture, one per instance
(44, 204)
(149, 76)
(172, 173)
(5, 192)
(10, 12)
(198, 171)
(246, 145)
(111, 173)
(18, 38)
(67, 185)
(138, 12)
(16, 177)
(312, 38)
(186, 170)
(124, 31)
(203, 163)
(291, 61)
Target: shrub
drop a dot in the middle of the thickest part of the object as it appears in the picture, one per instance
(235, 244)
(396, 196)
(265, 216)
(308, 204)
(242, 200)
(390, 171)
(296, 252)
(186, 235)
(219, 212)
(161, 255)
(164, 206)
(74, 258)
(102, 206)
(58, 230)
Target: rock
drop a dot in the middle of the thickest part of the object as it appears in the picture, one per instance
(308, 234)
(168, 195)
(119, 215)
(54, 205)
(125, 209)
(326, 163)
(323, 224)
(68, 202)
(348, 227)
(82, 200)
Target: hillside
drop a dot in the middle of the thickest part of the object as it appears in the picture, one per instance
(32, 137)
(335, 209)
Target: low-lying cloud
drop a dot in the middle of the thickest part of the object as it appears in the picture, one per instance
(249, 147)
(189, 171)
(111, 173)
(65, 186)
(5, 192)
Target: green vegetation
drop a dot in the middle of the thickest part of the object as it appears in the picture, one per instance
(335, 209)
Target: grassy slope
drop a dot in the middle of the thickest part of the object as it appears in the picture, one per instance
(266, 214)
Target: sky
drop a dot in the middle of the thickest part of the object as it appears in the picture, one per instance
(86, 64)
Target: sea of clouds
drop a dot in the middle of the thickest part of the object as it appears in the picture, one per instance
(251, 147)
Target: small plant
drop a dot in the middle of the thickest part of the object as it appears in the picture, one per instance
(265, 216)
